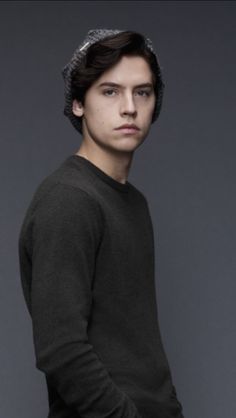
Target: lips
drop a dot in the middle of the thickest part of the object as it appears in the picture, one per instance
(128, 126)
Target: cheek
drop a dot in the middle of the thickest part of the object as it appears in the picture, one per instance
(96, 119)
(103, 114)
(148, 110)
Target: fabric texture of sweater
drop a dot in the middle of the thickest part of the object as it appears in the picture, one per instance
(86, 255)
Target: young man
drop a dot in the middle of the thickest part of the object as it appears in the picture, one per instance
(86, 245)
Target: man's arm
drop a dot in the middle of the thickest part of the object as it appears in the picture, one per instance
(66, 233)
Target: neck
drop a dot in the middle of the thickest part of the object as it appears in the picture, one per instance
(114, 163)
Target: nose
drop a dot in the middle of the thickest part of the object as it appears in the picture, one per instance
(127, 105)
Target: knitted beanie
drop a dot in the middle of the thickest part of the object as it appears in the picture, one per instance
(93, 36)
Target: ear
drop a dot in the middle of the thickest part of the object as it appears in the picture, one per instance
(77, 108)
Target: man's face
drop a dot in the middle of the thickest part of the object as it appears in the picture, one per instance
(108, 106)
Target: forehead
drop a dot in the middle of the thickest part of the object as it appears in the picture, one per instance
(130, 70)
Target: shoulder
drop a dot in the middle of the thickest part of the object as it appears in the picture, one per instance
(67, 220)
(59, 209)
(63, 210)
(64, 201)
(64, 189)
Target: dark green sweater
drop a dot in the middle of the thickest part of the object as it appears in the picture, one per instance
(86, 251)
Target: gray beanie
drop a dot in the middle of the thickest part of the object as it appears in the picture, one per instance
(93, 36)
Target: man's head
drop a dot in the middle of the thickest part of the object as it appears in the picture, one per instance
(122, 95)
(102, 50)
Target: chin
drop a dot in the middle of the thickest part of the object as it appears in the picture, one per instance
(128, 147)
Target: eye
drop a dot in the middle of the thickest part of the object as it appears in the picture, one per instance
(106, 92)
(144, 93)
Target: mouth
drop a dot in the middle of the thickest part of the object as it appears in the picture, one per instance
(129, 129)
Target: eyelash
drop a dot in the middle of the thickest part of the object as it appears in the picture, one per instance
(109, 90)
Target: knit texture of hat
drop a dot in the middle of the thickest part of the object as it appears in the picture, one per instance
(79, 54)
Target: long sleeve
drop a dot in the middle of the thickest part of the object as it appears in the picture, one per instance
(66, 231)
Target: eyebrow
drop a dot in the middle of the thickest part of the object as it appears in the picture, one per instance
(108, 83)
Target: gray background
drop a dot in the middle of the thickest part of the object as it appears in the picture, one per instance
(186, 168)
